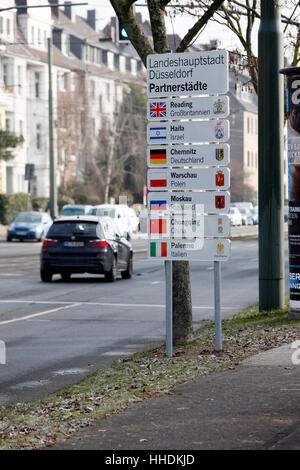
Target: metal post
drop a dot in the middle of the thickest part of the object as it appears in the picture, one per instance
(28, 195)
(52, 163)
(218, 315)
(270, 153)
(169, 312)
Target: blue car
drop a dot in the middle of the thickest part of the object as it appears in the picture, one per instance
(29, 226)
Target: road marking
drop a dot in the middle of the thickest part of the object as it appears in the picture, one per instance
(13, 320)
(103, 304)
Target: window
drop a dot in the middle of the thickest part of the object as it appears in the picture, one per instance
(100, 103)
(19, 79)
(117, 61)
(63, 81)
(37, 84)
(104, 57)
(32, 35)
(38, 137)
(92, 54)
(7, 124)
(108, 91)
(63, 119)
(248, 158)
(92, 89)
(5, 75)
(128, 64)
(8, 26)
(21, 127)
(98, 56)
(248, 125)
(1, 25)
(39, 36)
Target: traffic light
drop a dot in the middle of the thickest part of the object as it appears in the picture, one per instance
(121, 32)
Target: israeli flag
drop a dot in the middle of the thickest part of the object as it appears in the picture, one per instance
(157, 133)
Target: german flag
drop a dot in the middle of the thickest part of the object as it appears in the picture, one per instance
(158, 156)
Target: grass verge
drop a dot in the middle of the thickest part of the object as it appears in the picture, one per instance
(44, 422)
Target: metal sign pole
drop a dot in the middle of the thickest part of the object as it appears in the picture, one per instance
(218, 317)
(169, 309)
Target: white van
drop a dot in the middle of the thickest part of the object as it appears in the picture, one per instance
(119, 213)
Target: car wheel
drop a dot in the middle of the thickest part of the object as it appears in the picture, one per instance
(65, 276)
(128, 273)
(111, 275)
(46, 276)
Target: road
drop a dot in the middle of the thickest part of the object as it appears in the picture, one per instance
(57, 332)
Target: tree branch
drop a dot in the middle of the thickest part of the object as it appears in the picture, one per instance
(199, 25)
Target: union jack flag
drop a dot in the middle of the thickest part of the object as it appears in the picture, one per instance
(158, 109)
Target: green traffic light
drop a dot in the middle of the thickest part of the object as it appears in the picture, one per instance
(123, 33)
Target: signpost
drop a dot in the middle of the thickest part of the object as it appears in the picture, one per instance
(185, 179)
(187, 154)
(187, 131)
(187, 74)
(206, 107)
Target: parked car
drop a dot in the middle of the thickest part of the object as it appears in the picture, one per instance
(29, 226)
(235, 216)
(85, 244)
(255, 215)
(119, 213)
(246, 214)
(75, 209)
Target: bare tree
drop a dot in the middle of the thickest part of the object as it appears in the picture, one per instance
(182, 304)
(119, 162)
(240, 16)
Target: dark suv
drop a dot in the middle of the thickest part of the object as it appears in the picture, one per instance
(85, 244)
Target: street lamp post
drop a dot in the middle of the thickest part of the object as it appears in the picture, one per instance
(270, 151)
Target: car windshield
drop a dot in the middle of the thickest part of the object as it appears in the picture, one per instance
(28, 217)
(73, 228)
(72, 211)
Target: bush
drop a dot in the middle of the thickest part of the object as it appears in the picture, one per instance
(11, 205)
(39, 203)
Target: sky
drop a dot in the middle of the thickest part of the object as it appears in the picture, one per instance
(179, 25)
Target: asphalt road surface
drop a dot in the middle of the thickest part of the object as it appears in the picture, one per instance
(56, 332)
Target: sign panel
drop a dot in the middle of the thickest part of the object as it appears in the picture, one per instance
(201, 179)
(293, 126)
(210, 107)
(188, 225)
(187, 132)
(204, 249)
(188, 155)
(187, 74)
(213, 202)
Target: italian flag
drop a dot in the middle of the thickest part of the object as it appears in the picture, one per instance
(158, 249)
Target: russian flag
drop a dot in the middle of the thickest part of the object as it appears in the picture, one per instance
(158, 205)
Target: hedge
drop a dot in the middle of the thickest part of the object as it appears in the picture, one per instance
(11, 205)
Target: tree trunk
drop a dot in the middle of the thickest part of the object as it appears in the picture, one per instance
(182, 301)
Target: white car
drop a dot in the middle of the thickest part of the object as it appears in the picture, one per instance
(235, 216)
(117, 212)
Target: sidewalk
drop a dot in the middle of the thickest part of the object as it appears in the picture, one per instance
(254, 406)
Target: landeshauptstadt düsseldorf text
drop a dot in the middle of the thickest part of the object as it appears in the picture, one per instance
(154, 72)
